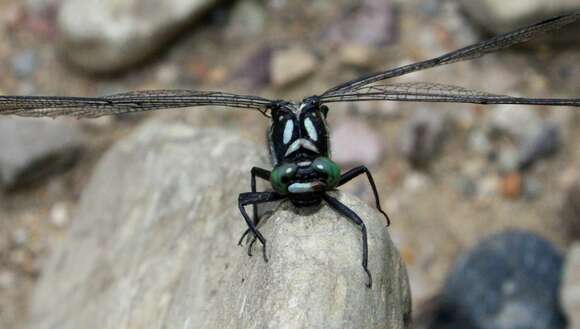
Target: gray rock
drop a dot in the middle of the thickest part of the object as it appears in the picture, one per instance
(109, 35)
(538, 144)
(510, 280)
(500, 16)
(154, 245)
(247, 21)
(423, 136)
(356, 143)
(35, 148)
(24, 63)
(369, 23)
(516, 121)
(291, 65)
(570, 292)
(570, 211)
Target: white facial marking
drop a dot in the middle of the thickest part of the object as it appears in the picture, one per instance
(304, 163)
(288, 131)
(289, 170)
(321, 167)
(299, 143)
(310, 129)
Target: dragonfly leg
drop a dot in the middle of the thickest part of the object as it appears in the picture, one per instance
(357, 171)
(352, 216)
(254, 198)
(264, 174)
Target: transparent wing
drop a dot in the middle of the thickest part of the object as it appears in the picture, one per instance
(470, 52)
(136, 101)
(434, 92)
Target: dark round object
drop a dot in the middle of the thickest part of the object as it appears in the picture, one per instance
(508, 281)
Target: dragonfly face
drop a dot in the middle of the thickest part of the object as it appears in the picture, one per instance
(300, 149)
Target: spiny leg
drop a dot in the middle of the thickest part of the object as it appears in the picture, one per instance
(357, 171)
(254, 198)
(351, 215)
(264, 174)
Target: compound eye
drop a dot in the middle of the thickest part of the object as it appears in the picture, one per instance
(281, 177)
(329, 169)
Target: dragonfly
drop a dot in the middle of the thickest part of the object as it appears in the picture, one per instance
(298, 136)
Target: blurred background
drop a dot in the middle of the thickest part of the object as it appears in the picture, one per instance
(485, 201)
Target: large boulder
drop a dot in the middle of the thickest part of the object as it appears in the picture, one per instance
(154, 245)
(103, 36)
(499, 16)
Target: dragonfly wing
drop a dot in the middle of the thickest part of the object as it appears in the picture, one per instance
(136, 101)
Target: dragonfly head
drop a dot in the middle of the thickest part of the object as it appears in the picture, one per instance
(298, 131)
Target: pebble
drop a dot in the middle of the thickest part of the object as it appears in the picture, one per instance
(356, 143)
(515, 121)
(291, 65)
(356, 55)
(501, 16)
(570, 291)
(34, 148)
(247, 21)
(104, 36)
(422, 137)
(539, 144)
(570, 211)
(370, 24)
(416, 182)
(24, 63)
(479, 142)
(511, 185)
(507, 159)
(59, 215)
(509, 280)
(7, 279)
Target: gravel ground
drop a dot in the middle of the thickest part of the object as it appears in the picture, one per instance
(464, 193)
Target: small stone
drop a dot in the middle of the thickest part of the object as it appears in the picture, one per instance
(511, 185)
(532, 188)
(570, 211)
(291, 65)
(34, 148)
(7, 279)
(24, 63)
(541, 143)
(501, 16)
(488, 186)
(105, 36)
(416, 181)
(509, 280)
(59, 215)
(479, 142)
(356, 56)
(422, 138)
(508, 159)
(20, 237)
(570, 291)
(247, 20)
(516, 121)
(356, 143)
(372, 23)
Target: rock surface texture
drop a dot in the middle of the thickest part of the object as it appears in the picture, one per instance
(154, 246)
(499, 16)
(570, 293)
(109, 35)
(509, 280)
(35, 148)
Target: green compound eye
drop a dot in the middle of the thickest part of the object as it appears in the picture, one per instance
(281, 176)
(329, 168)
